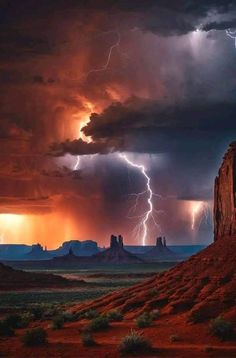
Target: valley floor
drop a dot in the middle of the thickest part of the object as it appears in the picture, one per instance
(194, 340)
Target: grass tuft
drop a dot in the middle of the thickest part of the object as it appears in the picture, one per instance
(134, 344)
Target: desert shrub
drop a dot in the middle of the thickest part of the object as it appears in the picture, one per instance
(115, 315)
(35, 337)
(18, 321)
(69, 316)
(99, 323)
(48, 312)
(38, 312)
(153, 292)
(174, 338)
(87, 339)
(6, 329)
(222, 329)
(90, 314)
(134, 343)
(155, 314)
(26, 318)
(144, 320)
(13, 320)
(58, 322)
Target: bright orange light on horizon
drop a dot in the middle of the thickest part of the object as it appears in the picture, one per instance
(47, 229)
(9, 224)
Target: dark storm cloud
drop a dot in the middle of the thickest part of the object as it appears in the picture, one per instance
(15, 45)
(195, 135)
(222, 25)
(76, 147)
(158, 16)
(119, 119)
(167, 23)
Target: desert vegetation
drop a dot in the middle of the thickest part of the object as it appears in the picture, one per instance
(115, 316)
(144, 320)
(222, 328)
(134, 343)
(58, 322)
(99, 323)
(87, 339)
(35, 337)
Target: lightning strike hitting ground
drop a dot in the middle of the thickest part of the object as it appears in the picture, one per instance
(141, 228)
(232, 35)
(200, 211)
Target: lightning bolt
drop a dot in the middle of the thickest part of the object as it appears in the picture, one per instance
(111, 49)
(76, 166)
(200, 211)
(145, 217)
(141, 228)
(232, 34)
(101, 69)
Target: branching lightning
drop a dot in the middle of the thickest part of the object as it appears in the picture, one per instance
(232, 34)
(141, 229)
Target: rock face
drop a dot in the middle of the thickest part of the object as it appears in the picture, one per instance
(37, 253)
(80, 248)
(13, 251)
(225, 196)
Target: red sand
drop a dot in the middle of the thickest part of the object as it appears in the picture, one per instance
(203, 286)
(66, 342)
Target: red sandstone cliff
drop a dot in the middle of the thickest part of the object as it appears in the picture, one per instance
(225, 196)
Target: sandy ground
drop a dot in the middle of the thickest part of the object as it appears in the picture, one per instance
(194, 341)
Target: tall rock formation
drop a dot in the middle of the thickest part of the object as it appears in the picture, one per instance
(160, 252)
(225, 196)
(116, 254)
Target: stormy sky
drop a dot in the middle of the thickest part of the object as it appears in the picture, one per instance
(81, 82)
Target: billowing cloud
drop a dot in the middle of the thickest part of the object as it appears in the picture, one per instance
(137, 77)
